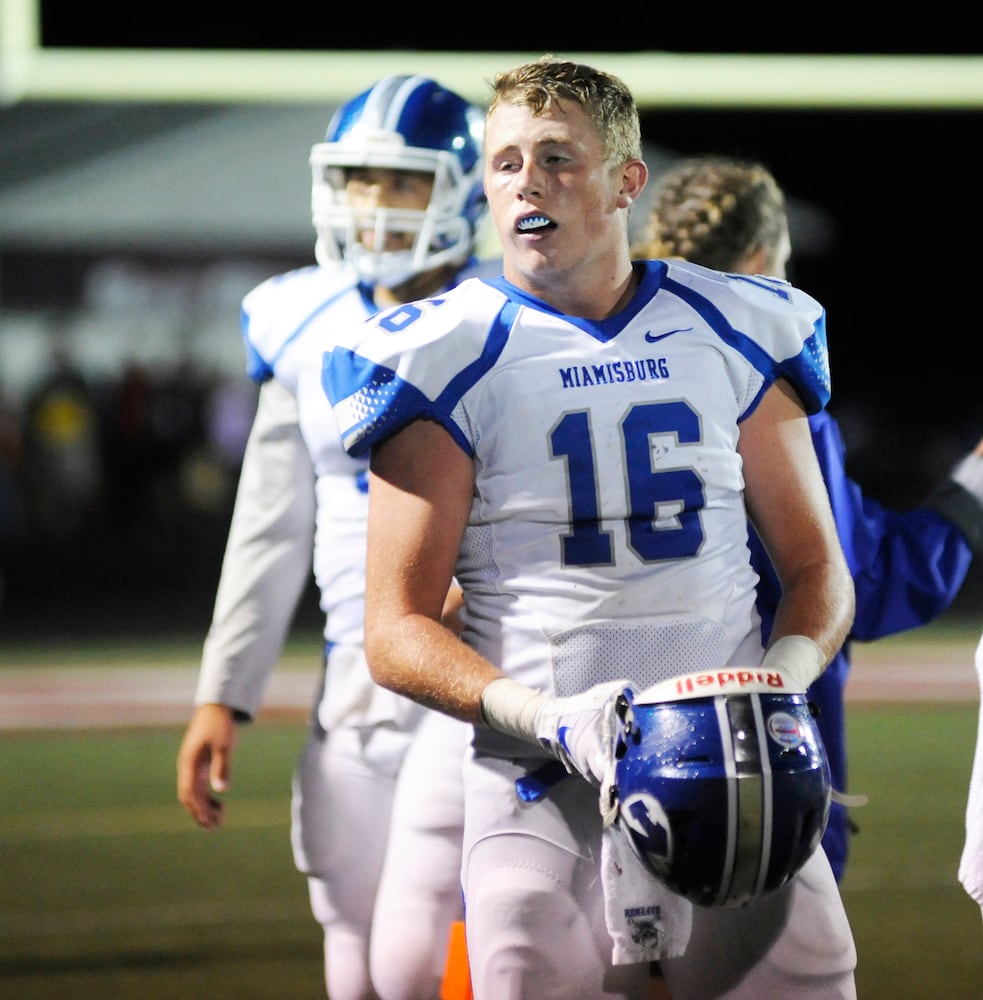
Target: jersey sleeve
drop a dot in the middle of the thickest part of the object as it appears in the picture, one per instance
(278, 309)
(267, 559)
(907, 566)
(255, 324)
(414, 362)
(778, 328)
(960, 500)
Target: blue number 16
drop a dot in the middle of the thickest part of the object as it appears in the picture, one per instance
(664, 520)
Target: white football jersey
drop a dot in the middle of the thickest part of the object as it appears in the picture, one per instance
(288, 322)
(607, 538)
(298, 492)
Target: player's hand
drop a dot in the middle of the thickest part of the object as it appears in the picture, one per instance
(582, 730)
(204, 763)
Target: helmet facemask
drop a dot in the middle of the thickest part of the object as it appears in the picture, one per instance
(443, 233)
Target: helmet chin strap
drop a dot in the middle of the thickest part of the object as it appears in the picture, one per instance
(398, 268)
(848, 800)
(390, 268)
(424, 283)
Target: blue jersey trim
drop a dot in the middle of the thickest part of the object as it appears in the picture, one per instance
(602, 330)
(808, 378)
(262, 369)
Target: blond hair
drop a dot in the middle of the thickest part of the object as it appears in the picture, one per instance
(607, 102)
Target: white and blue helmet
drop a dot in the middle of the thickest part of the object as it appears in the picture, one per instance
(722, 796)
(402, 123)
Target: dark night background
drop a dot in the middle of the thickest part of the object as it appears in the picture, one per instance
(896, 268)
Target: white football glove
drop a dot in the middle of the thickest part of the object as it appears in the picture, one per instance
(797, 658)
(579, 730)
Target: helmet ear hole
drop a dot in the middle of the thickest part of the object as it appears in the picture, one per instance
(724, 798)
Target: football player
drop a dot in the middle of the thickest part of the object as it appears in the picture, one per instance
(397, 205)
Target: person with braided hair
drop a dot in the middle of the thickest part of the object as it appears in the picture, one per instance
(730, 214)
(721, 212)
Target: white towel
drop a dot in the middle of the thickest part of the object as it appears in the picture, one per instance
(645, 920)
(971, 863)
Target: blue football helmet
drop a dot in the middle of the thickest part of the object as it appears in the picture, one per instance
(401, 123)
(725, 797)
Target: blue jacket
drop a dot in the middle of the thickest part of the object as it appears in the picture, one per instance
(907, 569)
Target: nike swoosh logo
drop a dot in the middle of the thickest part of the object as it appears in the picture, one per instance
(653, 339)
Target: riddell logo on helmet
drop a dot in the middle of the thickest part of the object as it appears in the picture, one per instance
(728, 680)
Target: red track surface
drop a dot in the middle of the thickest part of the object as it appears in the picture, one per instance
(82, 697)
(86, 696)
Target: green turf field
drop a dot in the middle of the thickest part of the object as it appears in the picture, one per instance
(110, 891)
(919, 935)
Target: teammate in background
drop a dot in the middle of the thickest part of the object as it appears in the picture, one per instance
(568, 440)
(397, 203)
(971, 858)
(907, 567)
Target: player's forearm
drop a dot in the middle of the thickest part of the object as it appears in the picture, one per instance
(421, 659)
(818, 603)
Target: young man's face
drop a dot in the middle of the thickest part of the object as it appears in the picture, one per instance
(371, 188)
(552, 196)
